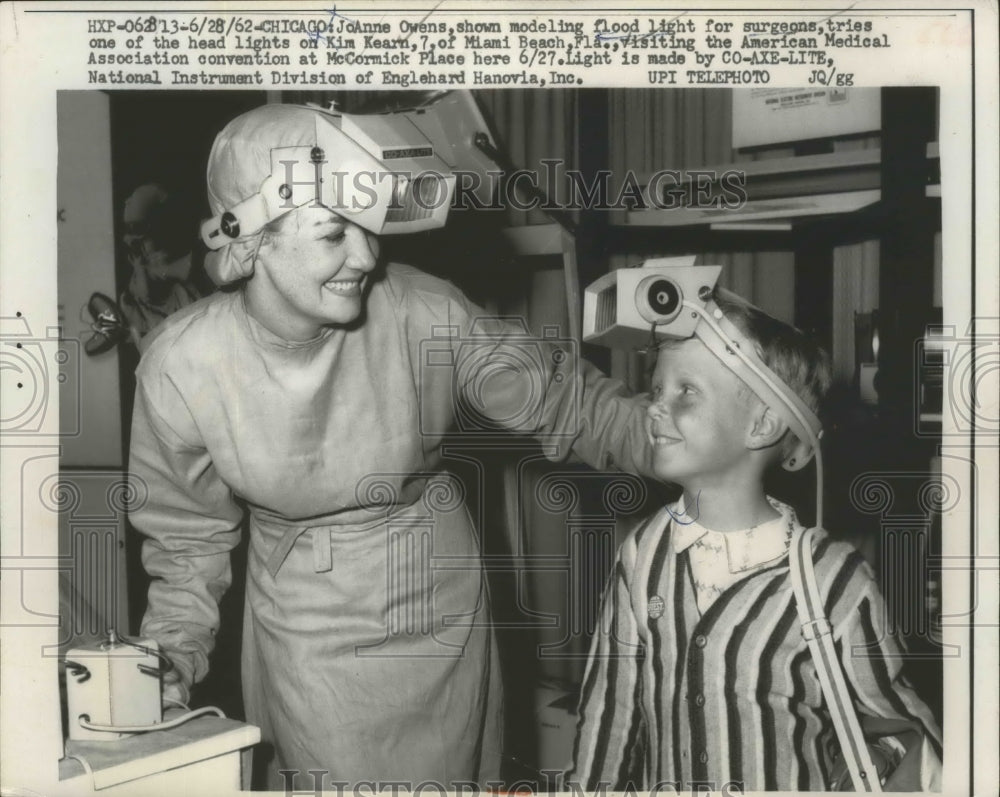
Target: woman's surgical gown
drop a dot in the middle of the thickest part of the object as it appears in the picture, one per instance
(367, 646)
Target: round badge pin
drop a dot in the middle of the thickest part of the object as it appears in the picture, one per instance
(655, 607)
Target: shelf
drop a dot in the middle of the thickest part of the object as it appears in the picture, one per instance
(777, 189)
(759, 211)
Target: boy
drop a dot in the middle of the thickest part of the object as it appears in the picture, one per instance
(699, 675)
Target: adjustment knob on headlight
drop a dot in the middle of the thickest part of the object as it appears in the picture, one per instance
(658, 300)
(230, 225)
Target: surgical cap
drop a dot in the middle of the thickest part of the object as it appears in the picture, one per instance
(239, 162)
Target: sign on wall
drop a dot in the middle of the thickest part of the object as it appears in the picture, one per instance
(776, 116)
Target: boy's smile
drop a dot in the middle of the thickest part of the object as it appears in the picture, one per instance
(699, 419)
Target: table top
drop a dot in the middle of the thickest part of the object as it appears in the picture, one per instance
(121, 760)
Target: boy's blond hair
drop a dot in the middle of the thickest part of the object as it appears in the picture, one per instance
(798, 360)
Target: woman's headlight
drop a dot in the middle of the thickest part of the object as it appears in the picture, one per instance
(427, 191)
(422, 193)
(399, 188)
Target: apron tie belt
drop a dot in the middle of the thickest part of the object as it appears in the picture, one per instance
(322, 540)
(322, 546)
(284, 547)
(322, 549)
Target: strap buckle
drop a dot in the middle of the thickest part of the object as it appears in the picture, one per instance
(814, 629)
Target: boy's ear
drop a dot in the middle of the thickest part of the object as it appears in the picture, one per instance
(766, 429)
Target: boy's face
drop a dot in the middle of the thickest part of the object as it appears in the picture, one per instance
(699, 419)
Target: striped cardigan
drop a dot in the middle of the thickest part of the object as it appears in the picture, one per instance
(675, 698)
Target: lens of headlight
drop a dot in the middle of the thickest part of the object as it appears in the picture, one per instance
(658, 300)
(399, 186)
(663, 296)
(427, 191)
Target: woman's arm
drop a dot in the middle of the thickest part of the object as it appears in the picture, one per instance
(544, 388)
(191, 523)
(493, 373)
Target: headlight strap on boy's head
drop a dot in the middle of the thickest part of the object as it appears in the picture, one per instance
(672, 299)
(738, 353)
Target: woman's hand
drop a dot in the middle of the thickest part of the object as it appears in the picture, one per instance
(175, 693)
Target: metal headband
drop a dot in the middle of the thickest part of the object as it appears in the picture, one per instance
(739, 354)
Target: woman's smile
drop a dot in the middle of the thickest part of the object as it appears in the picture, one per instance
(342, 287)
(313, 271)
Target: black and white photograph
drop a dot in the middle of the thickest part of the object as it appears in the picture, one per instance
(524, 401)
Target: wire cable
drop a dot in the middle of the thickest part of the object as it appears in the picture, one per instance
(84, 720)
(177, 703)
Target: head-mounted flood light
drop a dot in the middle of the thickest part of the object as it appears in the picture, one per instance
(639, 308)
(378, 172)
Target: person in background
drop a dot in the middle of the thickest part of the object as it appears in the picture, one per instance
(158, 237)
(159, 233)
(699, 673)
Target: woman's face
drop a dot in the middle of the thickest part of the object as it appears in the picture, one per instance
(311, 273)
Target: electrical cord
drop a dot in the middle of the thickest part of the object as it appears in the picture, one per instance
(84, 720)
(177, 703)
(83, 763)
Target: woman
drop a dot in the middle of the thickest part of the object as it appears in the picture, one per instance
(304, 397)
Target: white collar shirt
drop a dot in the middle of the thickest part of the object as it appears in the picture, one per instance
(719, 559)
